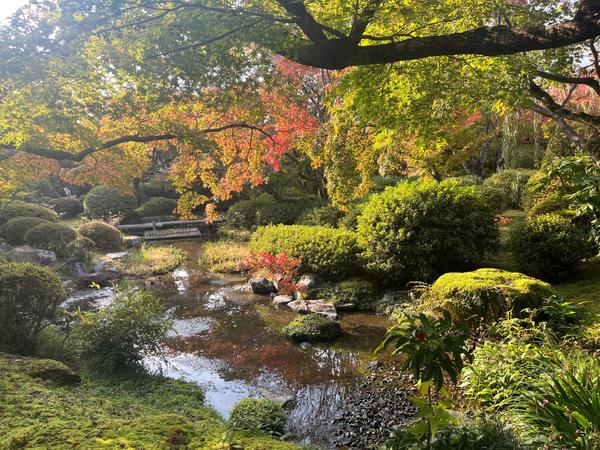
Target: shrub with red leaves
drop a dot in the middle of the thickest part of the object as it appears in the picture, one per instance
(282, 266)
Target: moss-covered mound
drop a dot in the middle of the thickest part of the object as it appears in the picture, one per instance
(485, 294)
(358, 292)
(111, 412)
(312, 328)
(22, 209)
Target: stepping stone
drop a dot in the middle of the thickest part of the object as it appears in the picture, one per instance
(117, 255)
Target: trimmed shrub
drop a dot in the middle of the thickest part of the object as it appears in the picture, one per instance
(327, 251)
(484, 294)
(418, 230)
(67, 207)
(15, 229)
(22, 209)
(512, 184)
(548, 246)
(120, 335)
(105, 236)
(29, 297)
(312, 328)
(103, 202)
(356, 291)
(263, 210)
(157, 206)
(81, 249)
(51, 236)
(325, 216)
(266, 416)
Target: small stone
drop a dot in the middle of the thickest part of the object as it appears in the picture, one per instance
(26, 254)
(282, 300)
(117, 255)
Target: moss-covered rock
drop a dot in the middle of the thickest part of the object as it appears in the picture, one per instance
(53, 371)
(358, 292)
(485, 294)
(312, 328)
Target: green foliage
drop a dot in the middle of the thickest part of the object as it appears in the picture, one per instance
(417, 230)
(150, 260)
(224, 256)
(105, 236)
(350, 219)
(433, 348)
(81, 249)
(263, 210)
(22, 209)
(51, 236)
(103, 202)
(67, 207)
(326, 216)
(120, 335)
(157, 188)
(157, 206)
(312, 328)
(548, 246)
(29, 297)
(15, 229)
(511, 184)
(262, 415)
(356, 291)
(326, 251)
(484, 294)
(553, 203)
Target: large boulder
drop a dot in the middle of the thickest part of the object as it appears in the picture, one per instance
(320, 307)
(133, 241)
(311, 328)
(282, 300)
(262, 286)
(27, 254)
(52, 371)
(308, 282)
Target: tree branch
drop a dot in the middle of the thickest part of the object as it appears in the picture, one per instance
(591, 82)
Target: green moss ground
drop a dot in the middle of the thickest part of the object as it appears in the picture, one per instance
(116, 412)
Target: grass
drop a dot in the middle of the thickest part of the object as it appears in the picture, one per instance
(111, 412)
(150, 260)
(224, 256)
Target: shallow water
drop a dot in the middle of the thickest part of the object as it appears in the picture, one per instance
(226, 339)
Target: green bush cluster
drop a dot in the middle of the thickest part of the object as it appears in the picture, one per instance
(262, 415)
(51, 236)
(67, 207)
(507, 186)
(484, 294)
(325, 216)
(105, 236)
(81, 249)
(312, 328)
(263, 210)
(156, 188)
(548, 246)
(360, 293)
(418, 230)
(15, 229)
(22, 209)
(29, 297)
(327, 251)
(103, 202)
(350, 219)
(156, 207)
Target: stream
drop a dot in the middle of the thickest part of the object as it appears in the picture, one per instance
(226, 340)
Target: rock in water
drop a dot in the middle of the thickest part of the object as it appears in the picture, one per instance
(282, 300)
(262, 286)
(315, 306)
(308, 282)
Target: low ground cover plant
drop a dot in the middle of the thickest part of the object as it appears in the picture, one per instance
(258, 415)
(150, 260)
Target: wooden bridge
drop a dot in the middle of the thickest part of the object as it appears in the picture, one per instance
(175, 229)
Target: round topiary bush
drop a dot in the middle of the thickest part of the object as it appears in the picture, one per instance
(312, 328)
(67, 207)
(512, 184)
(22, 209)
(29, 297)
(103, 202)
(105, 236)
(325, 216)
(254, 414)
(484, 294)
(15, 229)
(157, 206)
(81, 249)
(51, 236)
(548, 246)
(330, 252)
(358, 292)
(418, 230)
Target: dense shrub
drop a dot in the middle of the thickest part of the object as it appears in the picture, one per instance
(29, 297)
(482, 432)
(485, 294)
(261, 415)
(350, 219)
(553, 203)
(247, 214)
(22, 209)
(326, 216)
(15, 229)
(470, 180)
(105, 236)
(157, 188)
(360, 293)
(51, 236)
(81, 249)
(326, 251)
(157, 206)
(67, 207)
(103, 202)
(548, 246)
(312, 328)
(120, 335)
(417, 230)
(512, 183)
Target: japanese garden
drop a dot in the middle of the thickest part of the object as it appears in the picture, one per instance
(300, 224)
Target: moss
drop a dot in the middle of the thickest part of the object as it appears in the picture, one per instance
(224, 256)
(485, 294)
(150, 260)
(312, 328)
(258, 414)
(50, 370)
(108, 412)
